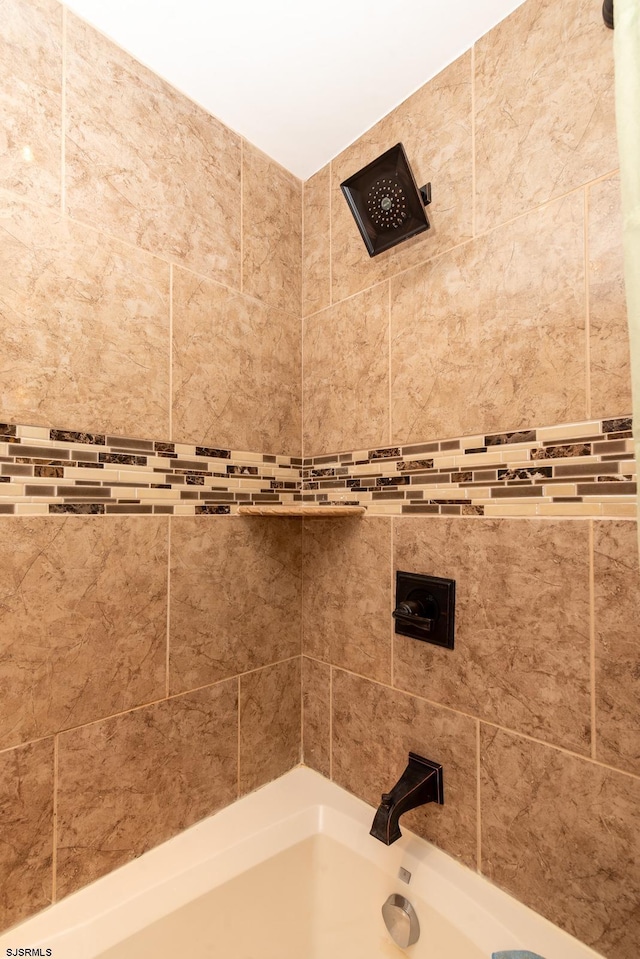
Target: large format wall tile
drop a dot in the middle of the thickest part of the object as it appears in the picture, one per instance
(131, 782)
(235, 597)
(375, 728)
(563, 835)
(608, 329)
(236, 369)
(31, 99)
(478, 349)
(521, 656)
(26, 815)
(617, 615)
(82, 620)
(346, 374)
(545, 119)
(271, 231)
(145, 163)
(84, 328)
(346, 596)
(316, 223)
(270, 723)
(434, 125)
(316, 712)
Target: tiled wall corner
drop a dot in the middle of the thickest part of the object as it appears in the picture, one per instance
(129, 782)
(316, 221)
(270, 723)
(346, 370)
(346, 594)
(272, 232)
(236, 369)
(374, 726)
(478, 373)
(617, 619)
(235, 597)
(316, 712)
(609, 339)
(26, 806)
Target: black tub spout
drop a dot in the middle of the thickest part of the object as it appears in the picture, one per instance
(420, 783)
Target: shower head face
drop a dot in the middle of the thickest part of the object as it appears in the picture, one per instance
(386, 202)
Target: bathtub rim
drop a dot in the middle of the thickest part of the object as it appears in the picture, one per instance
(294, 807)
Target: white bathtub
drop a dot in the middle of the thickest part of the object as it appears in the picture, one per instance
(289, 872)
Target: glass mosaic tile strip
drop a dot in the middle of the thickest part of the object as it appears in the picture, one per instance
(574, 470)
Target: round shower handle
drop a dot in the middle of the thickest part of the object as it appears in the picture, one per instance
(401, 920)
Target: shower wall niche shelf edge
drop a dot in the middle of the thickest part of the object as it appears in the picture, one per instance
(311, 511)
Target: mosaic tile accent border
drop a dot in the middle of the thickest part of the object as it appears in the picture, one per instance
(50, 471)
(584, 469)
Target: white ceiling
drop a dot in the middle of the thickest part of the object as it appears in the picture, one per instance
(299, 80)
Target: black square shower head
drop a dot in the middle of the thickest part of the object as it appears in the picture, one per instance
(385, 201)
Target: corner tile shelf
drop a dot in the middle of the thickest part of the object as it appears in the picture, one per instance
(311, 511)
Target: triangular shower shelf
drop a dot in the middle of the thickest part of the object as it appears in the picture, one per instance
(300, 510)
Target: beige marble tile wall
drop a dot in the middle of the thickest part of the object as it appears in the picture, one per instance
(534, 714)
(150, 257)
(150, 286)
(508, 313)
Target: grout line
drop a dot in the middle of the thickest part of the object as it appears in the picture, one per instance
(171, 351)
(153, 702)
(393, 601)
(238, 744)
(372, 286)
(63, 106)
(375, 682)
(54, 856)
(147, 252)
(242, 214)
(330, 722)
(481, 235)
(302, 285)
(302, 411)
(302, 247)
(330, 234)
(489, 723)
(190, 269)
(592, 639)
(301, 750)
(587, 310)
(389, 350)
(302, 583)
(478, 802)
(302, 331)
(473, 142)
(168, 642)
